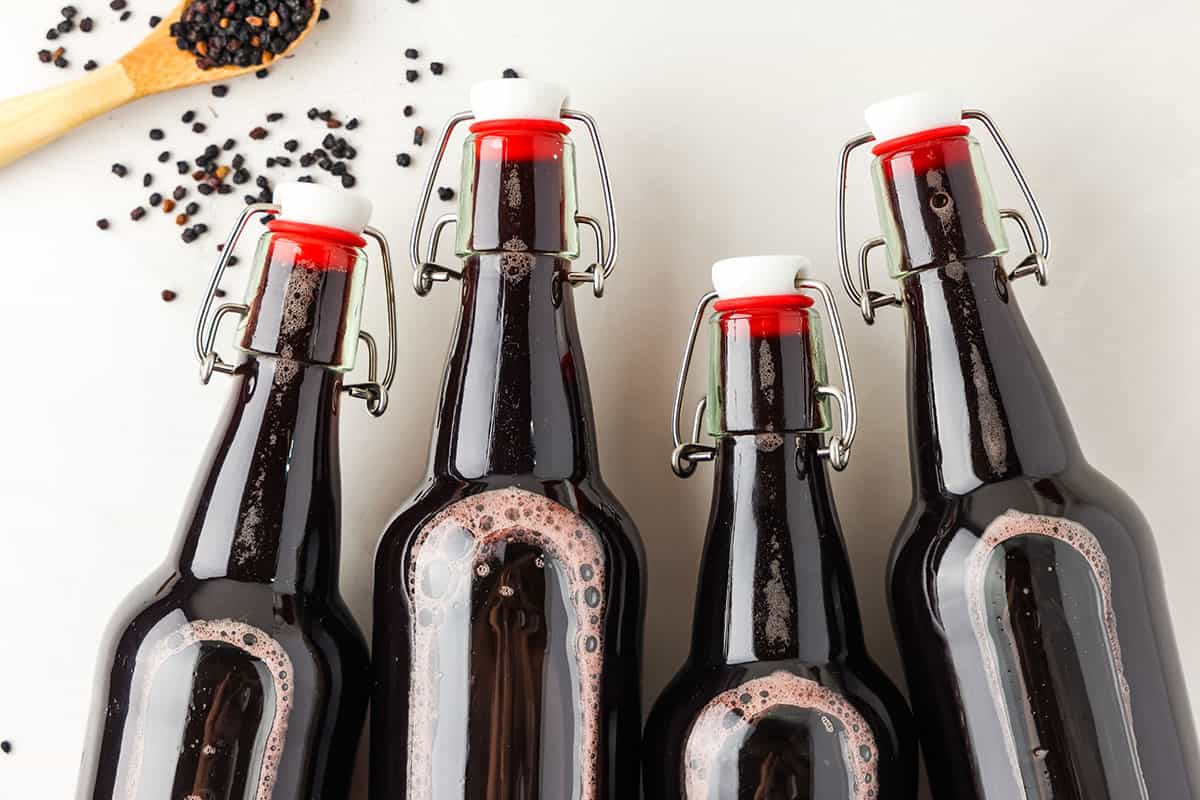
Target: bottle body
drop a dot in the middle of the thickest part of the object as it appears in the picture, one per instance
(509, 591)
(1027, 595)
(778, 697)
(802, 712)
(519, 676)
(212, 684)
(1024, 586)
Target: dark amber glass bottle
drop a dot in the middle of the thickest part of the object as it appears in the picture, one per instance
(1025, 586)
(236, 672)
(508, 590)
(778, 697)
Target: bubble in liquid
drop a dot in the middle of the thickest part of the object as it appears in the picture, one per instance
(482, 570)
(591, 596)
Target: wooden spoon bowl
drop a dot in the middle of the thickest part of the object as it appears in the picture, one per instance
(155, 65)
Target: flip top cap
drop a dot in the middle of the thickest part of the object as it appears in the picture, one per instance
(321, 205)
(517, 98)
(914, 113)
(758, 276)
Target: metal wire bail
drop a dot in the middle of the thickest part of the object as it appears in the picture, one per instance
(837, 450)
(374, 391)
(1036, 263)
(206, 330)
(426, 271)
(686, 455)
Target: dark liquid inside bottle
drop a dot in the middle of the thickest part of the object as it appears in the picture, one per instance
(778, 697)
(236, 672)
(1025, 586)
(508, 594)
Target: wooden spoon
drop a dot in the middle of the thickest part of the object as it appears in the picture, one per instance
(156, 65)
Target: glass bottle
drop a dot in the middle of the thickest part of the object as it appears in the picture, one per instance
(778, 697)
(236, 672)
(1024, 585)
(509, 589)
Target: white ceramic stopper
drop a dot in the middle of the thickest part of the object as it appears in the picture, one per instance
(517, 98)
(913, 113)
(758, 276)
(322, 205)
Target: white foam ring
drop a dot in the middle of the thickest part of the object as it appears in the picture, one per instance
(730, 714)
(1014, 524)
(570, 546)
(254, 642)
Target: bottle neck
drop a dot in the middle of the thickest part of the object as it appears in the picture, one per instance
(982, 405)
(267, 505)
(518, 189)
(515, 399)
(775, 579)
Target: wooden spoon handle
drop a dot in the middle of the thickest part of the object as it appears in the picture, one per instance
(32, 120)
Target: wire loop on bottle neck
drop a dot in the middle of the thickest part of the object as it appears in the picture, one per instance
(426, 271)
(1036, 263)
(374, 390)
(685, 455)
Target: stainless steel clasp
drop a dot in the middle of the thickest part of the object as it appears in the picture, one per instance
(426, 271)
(373, 390)
(1036, 263)
(686, 455)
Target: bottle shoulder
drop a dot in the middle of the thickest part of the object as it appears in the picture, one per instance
(942, 531)
(1081, 494)
(170, 603)
(509, 500)
(858, 695)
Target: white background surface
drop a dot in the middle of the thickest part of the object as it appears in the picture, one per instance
(723, 123)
